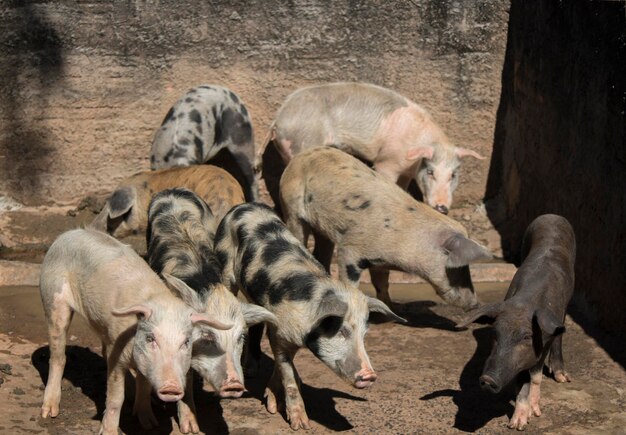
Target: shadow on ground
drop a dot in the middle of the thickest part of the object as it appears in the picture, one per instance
(476, 408)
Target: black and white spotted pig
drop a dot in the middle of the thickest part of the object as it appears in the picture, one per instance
(204, 121)
(181, 229)
(375, 225)
(273, 269)
(529, 323)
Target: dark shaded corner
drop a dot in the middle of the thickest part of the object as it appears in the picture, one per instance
(31, 65)
(560, 147)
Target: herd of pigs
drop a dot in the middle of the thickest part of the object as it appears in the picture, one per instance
(350, 150)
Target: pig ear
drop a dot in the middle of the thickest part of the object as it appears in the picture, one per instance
(141, 311)
(463, 251)
(100, 221)
(464, 152)
(121, 201)
(548, 323)
(378, 306)
(421, 152)
(331, 305)
(254, 314)
(183, 291)
(490, 310)
(205, 320)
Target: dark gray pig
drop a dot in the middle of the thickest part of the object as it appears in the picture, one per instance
(273, 269)
(529, 324)
(376, 225)
(204, 121)
(141, 324)
(181, 229)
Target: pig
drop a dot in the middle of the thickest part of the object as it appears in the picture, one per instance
(377, 125)
(376, 225)
(126, 210)
(206, 120)
(530, 322)
(181, 230)
(140, 322)
(272, 268)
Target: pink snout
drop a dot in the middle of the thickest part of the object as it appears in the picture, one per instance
(232, 388)
(170, 393)
(365, 378)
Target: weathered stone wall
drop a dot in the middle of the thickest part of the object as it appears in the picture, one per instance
(560, 142)
(84, 85)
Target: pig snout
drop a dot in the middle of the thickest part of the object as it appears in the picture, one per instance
(488, 383)
(442, 209)
(170, 393)
(232, 388)
(365, 378)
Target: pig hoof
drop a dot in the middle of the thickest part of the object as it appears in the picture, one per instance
(298, 418)
(188, 424)
(561, 376)
(51, 410)
(520, 417)
(270, 401)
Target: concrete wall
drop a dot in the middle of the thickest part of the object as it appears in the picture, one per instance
(85, 84)
(560, 142)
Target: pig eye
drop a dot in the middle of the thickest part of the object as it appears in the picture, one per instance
(186, 343)
(528, 336)
(454, 174)
(430, 172)
(150, 338)
(345, 332)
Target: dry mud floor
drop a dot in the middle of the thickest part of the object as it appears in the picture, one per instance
(428, 380)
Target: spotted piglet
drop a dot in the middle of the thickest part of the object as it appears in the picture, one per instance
(529, 324)
(376, 225)
(181, 229)
(273, 269)
(204, 121)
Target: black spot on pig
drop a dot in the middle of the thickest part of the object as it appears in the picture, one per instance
(188, 100)
(205, 87)
(233, 97)
(234, 127)
(269, 228)
(387, 223)
(239, 211)
(243, 110)
(274, 250)
(342, 230)
(295, 287)
(184, 141)
(168, 155)
(145, 184)
(242, 233)
(152, 160)
(411, 209)
(355, 203)
(169, 116)
(198, 143)
(184, 216)
(194, 116)
(246, 260)
(364, 263)
(353, 273)
(190, 196)
(222, 256)
(309, 198)
(258, 287)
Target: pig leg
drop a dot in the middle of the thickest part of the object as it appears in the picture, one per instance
(143, 406)
(555, 361)
(244, 162)
(59, 319)
(527, 401)
(323, 250)
(380, 281)
(285, 372)
(187, 409)
(114, 399)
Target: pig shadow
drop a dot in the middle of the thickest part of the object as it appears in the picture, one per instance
(87, 371)
(475, 406)
(419, 314)
(319, 402)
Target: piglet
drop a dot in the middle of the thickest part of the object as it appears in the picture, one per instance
(140, 322)
(126, 210)
(273, 269)
(376, 226)
(529, 323)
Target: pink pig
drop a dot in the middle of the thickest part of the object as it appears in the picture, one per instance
(377, 125)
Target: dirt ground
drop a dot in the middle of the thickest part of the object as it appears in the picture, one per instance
(428, 380)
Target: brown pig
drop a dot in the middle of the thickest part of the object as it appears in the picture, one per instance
(377, 125)
(375, 225)
(126, 210)
(140, 322)
(529, 324)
